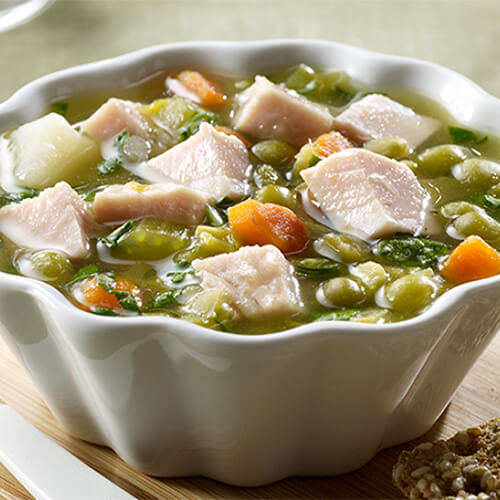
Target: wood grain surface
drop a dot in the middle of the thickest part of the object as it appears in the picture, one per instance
(477, 400)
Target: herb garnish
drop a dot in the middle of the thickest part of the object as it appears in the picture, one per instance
(61, 108)
(6, 198)
(113, 238)
(464, 136)
(164, 298)
(336, 315)
(192, 124)
(84, 273)
(413, 252)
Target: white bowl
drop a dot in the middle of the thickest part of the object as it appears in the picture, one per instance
(175, 399)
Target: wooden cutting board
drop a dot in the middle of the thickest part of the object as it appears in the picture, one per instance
(477, 400)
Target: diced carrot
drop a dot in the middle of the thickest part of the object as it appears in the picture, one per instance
(256, 223)
(95, 297)
(207, 91)
(332, 142)
(230, 131)
(472, 260)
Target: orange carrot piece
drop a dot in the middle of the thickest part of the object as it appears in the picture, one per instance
(332, 142)
(472, 260)
(207, 91)
(94, 296)
(256, 223)
(230, 131)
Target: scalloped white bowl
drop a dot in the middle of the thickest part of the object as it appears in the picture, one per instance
(175, 399)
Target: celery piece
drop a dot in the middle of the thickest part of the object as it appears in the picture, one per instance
(300, 77)
(151, 239)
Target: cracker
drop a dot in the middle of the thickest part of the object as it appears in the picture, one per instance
(464, 466)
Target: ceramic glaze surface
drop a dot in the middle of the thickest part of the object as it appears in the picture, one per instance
(175, 399)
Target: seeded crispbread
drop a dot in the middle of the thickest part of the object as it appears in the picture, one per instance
(464, 466)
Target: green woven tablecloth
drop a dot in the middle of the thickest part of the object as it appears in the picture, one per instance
(461, 34)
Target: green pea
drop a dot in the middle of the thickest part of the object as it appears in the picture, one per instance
(480, 224)
(413, 165)
(438, 160)
(265, 174)
(392, 147)
(371, 274)
(52, 266)
(478, 173)
(456, 208)
(344, 248)
(343, 292)
(277, 194)
(410, 293)
(273, 151)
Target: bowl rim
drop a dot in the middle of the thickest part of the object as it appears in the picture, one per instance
(42, 291)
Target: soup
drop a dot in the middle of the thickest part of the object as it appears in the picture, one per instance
(250, 205)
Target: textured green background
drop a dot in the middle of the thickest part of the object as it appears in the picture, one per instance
(461, 34)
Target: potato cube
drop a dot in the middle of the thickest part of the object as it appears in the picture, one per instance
(49, 150)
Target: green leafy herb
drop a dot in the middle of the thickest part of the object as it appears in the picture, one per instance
(178, 276)
(225, 202)
(193, 123)
(127, 300)
(6, 198)
(220, 326)
(413, 252)
(84, 273)
(106, 281)
(104, 312)
(316, 267)
(162, 299)
(112, 240)
(110, 165)
(491, 201)
(121, 140)
(336, 315)
(215, 217)
(463, 136)
(61, 108)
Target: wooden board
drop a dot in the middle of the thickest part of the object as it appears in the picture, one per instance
(477, 400)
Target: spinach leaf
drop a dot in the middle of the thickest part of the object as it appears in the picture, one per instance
(316, 267)
(106, 281)
(6, 198)
(225, 202)
(104, 312)
(61, 108)
(113, 238)
(127, 300)
(490, 201)
(179, 276)
(84, 273)
(463, 136)
(413, 252)
(215, 217)
(110, 165)
(193, 123)
(121, 140)
(336, 315)
(162, 299)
